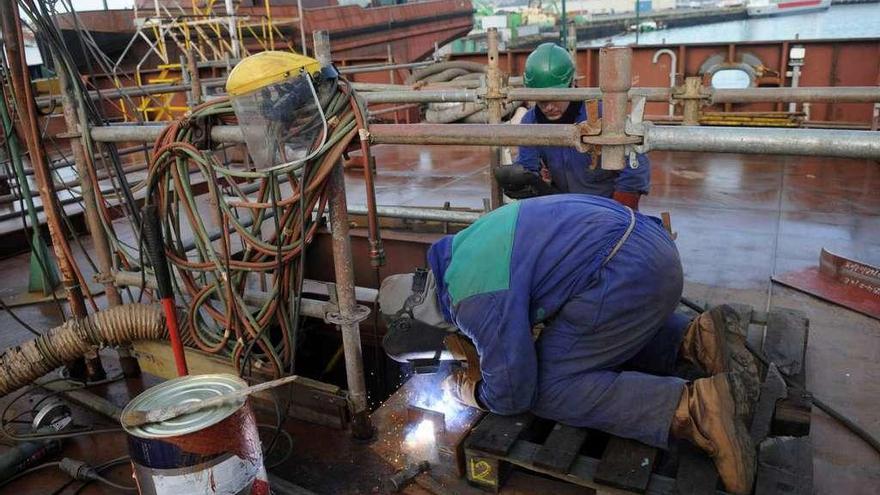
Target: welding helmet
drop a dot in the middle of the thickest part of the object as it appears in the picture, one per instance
(548, 66)
(278, 98)
(416, 326)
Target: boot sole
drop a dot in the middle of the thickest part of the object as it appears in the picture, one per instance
(738, 434)
(736, 355)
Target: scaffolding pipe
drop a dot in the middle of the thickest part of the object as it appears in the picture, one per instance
(349, 315)
(822, 142)
(802, 94)
(360, 69)
(21, 87)
(764, 141)
(395, 93)
(427, 96)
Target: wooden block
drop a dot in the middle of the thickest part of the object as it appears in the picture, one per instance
(484, 472)
(696, 472)
(785, 466)
(561, 448)
(496, 434)
(786, 340)
(772, 390)
(626, 464)
(793, 415)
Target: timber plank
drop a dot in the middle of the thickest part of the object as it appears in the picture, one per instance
(786, 340)
(496, 434)
(793, 414)
(696, 472)
(785, 466)
(626, 464)
(560, 448)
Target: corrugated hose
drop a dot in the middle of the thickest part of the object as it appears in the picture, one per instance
(21, 365)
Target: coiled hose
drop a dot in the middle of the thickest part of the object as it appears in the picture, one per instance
(23, 364)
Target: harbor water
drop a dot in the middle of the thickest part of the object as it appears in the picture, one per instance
(838, 22)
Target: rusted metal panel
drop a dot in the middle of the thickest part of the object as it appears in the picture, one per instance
(839, 280)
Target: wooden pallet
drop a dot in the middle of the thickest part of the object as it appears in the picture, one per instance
(608, 464)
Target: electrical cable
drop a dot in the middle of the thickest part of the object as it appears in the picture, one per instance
(28, 471)
(824, 406)
(17, 319)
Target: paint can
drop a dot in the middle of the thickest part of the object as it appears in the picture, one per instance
(213, 451)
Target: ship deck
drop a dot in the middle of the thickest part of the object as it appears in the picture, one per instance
(739, 220)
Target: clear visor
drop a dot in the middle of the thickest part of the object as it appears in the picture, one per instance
(283, 124)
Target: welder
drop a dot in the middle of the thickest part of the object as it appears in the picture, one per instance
(541, 170)
(604, 282)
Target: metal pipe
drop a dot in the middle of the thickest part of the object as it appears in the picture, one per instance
(360, 69)
(673, 64)
(233, 28)
(692, 97)
(824, 142)
(427, 96)
(615, 79)
(476, 135)
(21, 84)
(494, 98)
(349, 314)
(803, 94)
(72, 118)
(146, 90)
(195, 79)
(752, 140)
(424, 214)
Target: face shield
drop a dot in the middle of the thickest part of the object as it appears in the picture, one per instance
(278, 103)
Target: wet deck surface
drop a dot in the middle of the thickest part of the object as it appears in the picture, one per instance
(739, 220)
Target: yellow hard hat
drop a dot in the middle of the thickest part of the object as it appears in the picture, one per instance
(267, 68)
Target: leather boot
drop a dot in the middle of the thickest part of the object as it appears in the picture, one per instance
(706, 417)
(712, 343)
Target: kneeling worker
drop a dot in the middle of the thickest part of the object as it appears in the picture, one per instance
(605, 281)
(568, 170)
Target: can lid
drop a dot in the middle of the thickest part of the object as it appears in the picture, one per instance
(182, 390)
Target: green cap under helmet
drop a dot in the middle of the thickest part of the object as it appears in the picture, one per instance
(549, 66)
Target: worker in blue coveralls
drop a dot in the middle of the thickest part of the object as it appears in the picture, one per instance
(541, 170)
(605, 282)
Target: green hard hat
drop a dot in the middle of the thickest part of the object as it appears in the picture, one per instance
(549, 66)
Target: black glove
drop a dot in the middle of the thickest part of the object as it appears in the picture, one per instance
(517, 182)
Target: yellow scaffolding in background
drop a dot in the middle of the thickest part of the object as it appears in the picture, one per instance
(209, 32)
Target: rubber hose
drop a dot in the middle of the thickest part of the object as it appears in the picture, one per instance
(440, 67)
(446, 75)
(21, 365)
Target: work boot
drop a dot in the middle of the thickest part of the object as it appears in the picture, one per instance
(706, 417)
(712, 343)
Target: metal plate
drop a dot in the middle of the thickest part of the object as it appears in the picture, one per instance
(180, 391)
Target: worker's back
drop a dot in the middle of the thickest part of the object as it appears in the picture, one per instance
(586, 265)
(549, 247)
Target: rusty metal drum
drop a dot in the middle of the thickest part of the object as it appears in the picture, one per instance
(213, 451)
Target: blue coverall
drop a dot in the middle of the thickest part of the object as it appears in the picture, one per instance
(607, 324)
(570, 169)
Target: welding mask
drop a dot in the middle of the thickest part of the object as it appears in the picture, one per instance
(278, 100)
(416, 326)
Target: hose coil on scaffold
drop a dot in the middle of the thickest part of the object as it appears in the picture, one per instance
(265, 220)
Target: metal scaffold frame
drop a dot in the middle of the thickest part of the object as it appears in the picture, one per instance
(202, 32)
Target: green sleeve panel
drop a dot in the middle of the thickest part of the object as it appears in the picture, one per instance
(481, 255)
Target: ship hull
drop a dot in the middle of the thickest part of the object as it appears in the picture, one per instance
(788, 8)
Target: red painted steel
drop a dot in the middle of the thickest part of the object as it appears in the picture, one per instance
(827, 63)
(852, 284)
